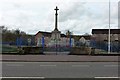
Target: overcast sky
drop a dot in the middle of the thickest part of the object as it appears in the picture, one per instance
(79, 16)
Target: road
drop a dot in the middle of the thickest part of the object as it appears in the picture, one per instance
(60, 69)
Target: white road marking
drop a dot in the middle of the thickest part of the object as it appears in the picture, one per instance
(80, 66)
(14, 65)
(24, 77)
(48, 65)
(26, 62)
(110, 65)
(106, 77)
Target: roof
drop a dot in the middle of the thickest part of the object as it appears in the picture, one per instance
(63, 35)
(105, 31)
(44, 33)
(87, 37)
(48, 34)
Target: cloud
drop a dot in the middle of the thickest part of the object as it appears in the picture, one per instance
(92, 15)
(35, 15)
(72, 11)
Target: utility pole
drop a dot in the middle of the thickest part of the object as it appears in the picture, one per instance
(109, 31)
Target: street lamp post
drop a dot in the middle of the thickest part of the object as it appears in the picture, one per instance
(109, 31)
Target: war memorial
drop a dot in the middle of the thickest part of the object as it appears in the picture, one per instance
(55, 42)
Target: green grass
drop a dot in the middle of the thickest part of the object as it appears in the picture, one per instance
(99, 51)
(7, 48)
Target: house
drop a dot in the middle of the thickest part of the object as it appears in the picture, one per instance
(100, 39)
(81, 39)
(39, 35)
(102, 34)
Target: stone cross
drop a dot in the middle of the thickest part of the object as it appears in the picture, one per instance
(56, 9)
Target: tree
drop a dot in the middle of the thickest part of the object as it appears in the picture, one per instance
(86, 34)
(68, 33)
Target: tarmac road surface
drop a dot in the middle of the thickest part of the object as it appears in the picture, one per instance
(60, 69)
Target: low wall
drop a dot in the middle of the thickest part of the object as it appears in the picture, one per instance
(80, 50)
(56, 53)
(30, 50)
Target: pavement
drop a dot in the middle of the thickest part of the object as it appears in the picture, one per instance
(59, 58)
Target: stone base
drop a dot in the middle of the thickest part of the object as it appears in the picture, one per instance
(56, 53)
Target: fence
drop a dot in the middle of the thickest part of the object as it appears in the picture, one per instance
(103, 45)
